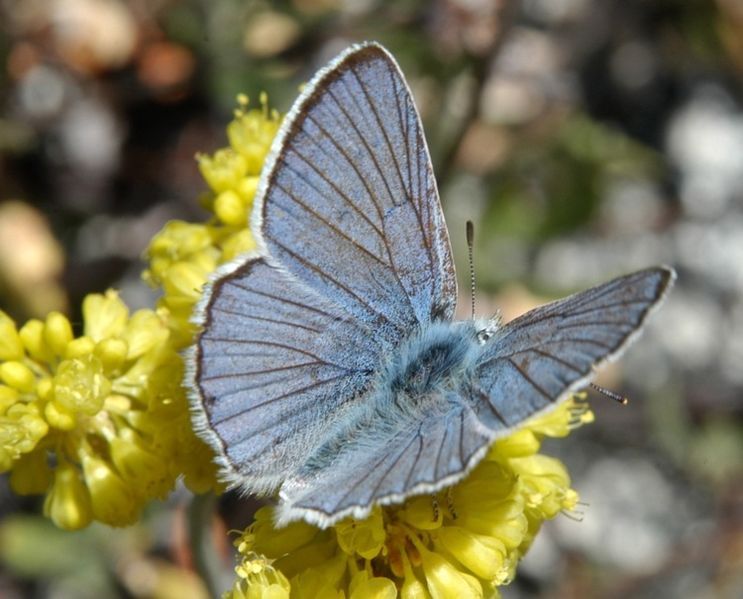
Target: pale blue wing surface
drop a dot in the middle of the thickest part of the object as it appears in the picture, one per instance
(272, 366)
(350, 205)
(537, 359)
(420, 458)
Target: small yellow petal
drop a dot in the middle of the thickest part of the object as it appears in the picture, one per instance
(237, 244)
(17, 375)
(59, 416)
(68, 501)
(8, 396)
(57, 333)
(247, 188)
(11, 346)
(32, 335)
(112, 353)
(375, 588)
(420, 512)
(230, 208)
(444, 580)
(112, 500)
(104, 315)
(365, 537)
(79, 347)
(482, 554)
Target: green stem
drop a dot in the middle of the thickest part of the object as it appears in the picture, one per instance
(205, 557)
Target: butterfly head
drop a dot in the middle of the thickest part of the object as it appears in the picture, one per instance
(486, 327)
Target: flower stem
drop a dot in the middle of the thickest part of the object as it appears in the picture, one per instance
(204, 555)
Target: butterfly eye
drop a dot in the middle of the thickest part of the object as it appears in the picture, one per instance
(484, 335)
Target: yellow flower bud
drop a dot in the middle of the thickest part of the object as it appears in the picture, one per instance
(104, 315)
(31, 474)
(444, 580)
(482, 554)
(112, 500)
(140, 467)
(80, 385)
(247, 188)
(32, 335)
(8, 396)
(45, 388)
(68, 501)
(412, 588)
(11, 347)
(237, 244)
(365, 587)
(17, 375)
(57, 333)
(230, 208)
(79, 347)
(112, 353)
(59, 416)
(520, 443)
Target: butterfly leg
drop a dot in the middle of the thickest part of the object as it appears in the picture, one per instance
(450, 503)
(435, 507)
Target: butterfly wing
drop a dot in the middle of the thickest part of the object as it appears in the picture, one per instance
(271, 364)
(349, 205)
(538, 359)
(421, 458)
(529, 366)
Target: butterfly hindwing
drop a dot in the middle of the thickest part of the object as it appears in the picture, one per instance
(273, 363)
(435, 452)
(538, 359)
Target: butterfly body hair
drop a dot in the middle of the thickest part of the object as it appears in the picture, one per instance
(430, 373)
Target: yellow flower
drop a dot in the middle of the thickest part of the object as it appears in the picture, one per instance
(465, 541)
(98, 422)
(182, 255)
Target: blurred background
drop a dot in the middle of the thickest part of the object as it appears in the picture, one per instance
(585, 138)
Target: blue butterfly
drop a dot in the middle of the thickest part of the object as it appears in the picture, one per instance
(327, 366)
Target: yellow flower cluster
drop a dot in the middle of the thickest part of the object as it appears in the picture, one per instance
(463, 542)
(97, 422)
(182, 255)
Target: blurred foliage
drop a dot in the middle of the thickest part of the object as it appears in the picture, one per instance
(584, 138)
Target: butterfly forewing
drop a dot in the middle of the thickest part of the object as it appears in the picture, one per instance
(350, 205)
(359, 256)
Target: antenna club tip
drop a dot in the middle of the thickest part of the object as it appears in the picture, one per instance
(624, 401)
(470, 228)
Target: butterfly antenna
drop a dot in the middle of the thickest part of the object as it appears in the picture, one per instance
(610, 394)
(470, 245)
